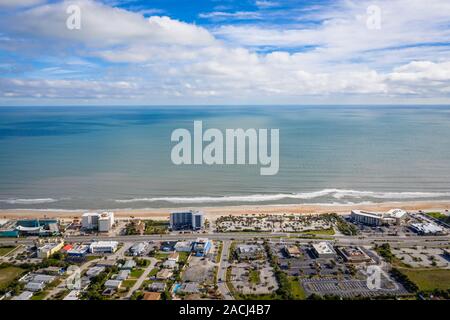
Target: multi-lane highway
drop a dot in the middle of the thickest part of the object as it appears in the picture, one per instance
(341, 240)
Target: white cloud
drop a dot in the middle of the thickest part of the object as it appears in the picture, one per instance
(67, 89)
(20, 3)
(241, 15)
(166, 59)
(266, 4)
(342, 33)
(103, 25)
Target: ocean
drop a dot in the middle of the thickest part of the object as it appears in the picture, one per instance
(119, 157)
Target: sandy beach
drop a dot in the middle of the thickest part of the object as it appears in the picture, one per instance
(213, 212)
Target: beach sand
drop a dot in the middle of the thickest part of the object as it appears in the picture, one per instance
(212, 213)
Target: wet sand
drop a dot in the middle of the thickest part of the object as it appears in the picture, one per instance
(213, 212)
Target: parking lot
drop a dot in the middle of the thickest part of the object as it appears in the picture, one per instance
(348, 288)
(254, 277)
(307, 264)
(421, 257)
(199, 270)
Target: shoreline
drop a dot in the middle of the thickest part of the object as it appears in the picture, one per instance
(212, 213)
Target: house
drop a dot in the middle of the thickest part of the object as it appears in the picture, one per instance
(95, 271)
(183, 246)
(35, 286)
(170, 264)
(123, 275)
(189, 288)
(174, 256)
(106, 263)
(73, 295)
(26, 295)
(167, 246)
(157, 287)
(129, 265)
(113, 284)
(164, 274)
(138, 249)
(51, 271)
(43, 278)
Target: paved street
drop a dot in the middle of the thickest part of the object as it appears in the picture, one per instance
(143, 277)
(221, 275)
(340, 240)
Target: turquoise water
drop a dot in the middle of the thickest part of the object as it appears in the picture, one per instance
(106, 158)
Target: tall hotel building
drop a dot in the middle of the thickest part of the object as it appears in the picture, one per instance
(186, 220)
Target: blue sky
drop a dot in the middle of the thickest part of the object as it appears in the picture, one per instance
(133, 52)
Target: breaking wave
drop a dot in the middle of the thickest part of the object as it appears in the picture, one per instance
(29, 201)
(340, 194)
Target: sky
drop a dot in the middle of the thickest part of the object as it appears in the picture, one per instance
(204, 52)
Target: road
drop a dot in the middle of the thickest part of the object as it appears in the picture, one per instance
(142, 278)
(222, 272)
(63, 285)
(340, 240)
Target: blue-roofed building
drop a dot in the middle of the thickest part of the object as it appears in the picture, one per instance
(201, 247)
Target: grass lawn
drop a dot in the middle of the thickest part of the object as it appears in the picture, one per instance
(156, 227)
(183, 256)
(128, 284)
(136, 273)
(161, 256)
(328, 232)
(54, 284)
(39, 295)
(5, 250)
(253, 276)
(439, 216)
(153, 272)
(429, 279)
(7, 275)
(296, 289)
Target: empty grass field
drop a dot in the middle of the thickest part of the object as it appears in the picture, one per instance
(429, 279)
(8, 274)
(5, 250)
(296, 289)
